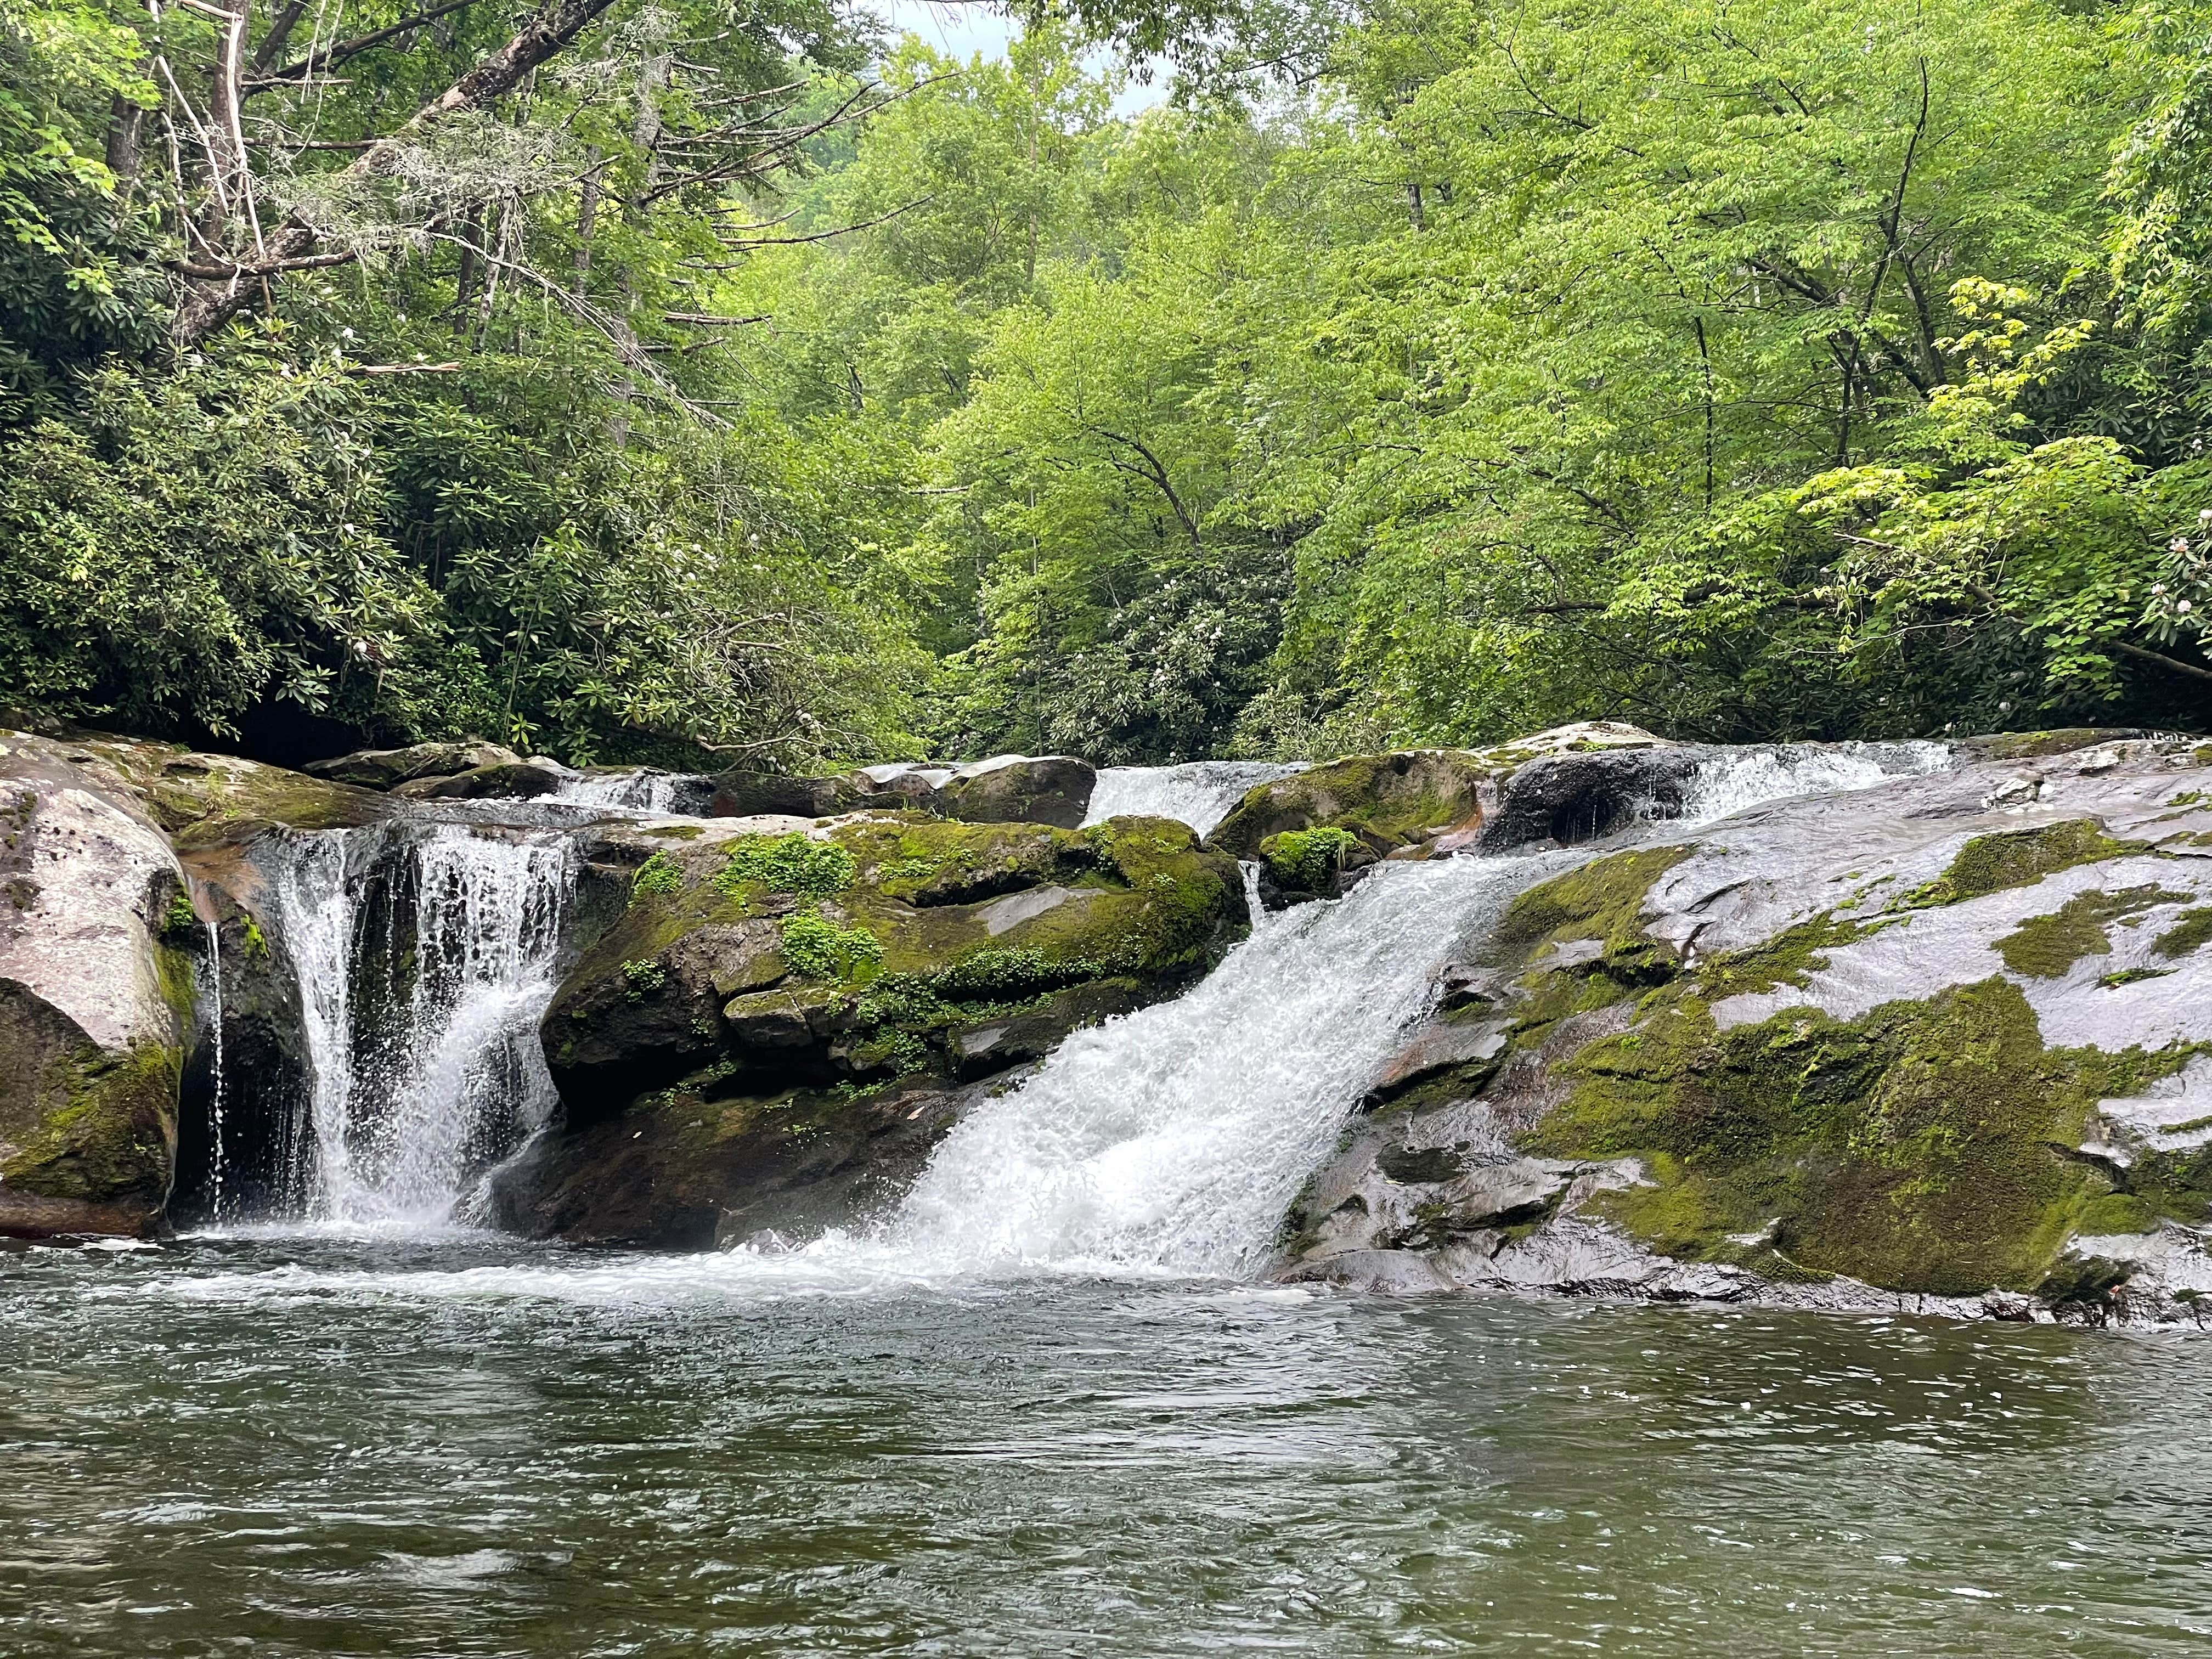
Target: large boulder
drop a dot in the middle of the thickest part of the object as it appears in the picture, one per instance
(1052, 789)
(387, 769)
(1317, 832)
(1934, 1043)
(506, 779)
(95, 1000)
(770, 983)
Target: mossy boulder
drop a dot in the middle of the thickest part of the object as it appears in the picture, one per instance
(779, 959)
(1915, 1045)
(96, 943)
(387, 769)
(1416, 802)
(506, 779)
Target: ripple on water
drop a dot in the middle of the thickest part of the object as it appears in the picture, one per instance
(319, 1446)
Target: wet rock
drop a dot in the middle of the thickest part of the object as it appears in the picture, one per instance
(95, 999)
(764, 956)
(1568, 799)
(387, 769)
(1052, 789)
(506, 780)
(696, 1167)
(1930, 1044)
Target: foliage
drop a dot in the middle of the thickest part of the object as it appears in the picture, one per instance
(818, 948)
(1748, 370)
(658, 874)
(787, 864)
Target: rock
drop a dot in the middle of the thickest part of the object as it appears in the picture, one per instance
(1052, 789)
(693, 1167)
(1383, 802)
(741, 794)
(1316, 832)
(506, 780)
(1569, 799)
(1931, 1044)
(95, 999)
(387, 769)
(765, 956)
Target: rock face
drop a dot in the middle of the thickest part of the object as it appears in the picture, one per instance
(1941, 1043)
(109, 862)
(771, 988)
(1052, 789)
(387, 769)
(95, 1001)
(1316, 833)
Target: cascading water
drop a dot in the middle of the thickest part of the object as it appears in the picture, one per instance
(426, 954)
(1174, 1139)
(217, 1153)
(645, 790)
(1200, 793)
(1745, 778)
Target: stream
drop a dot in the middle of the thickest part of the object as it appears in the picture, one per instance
(293, 1446)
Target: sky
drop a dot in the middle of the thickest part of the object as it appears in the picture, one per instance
(961, 30)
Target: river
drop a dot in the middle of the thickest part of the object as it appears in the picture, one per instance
(303, 1445)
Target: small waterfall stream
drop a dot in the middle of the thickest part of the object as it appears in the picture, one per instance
(426, 954)
(1200, 793)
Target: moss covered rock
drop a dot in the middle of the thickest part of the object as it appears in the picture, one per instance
(827, 963)
(1944, 1044)
(96, 998)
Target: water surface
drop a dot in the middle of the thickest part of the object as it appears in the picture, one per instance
(302, 1447)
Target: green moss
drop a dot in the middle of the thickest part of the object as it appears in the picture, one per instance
(644, 978)
(1306, 858)
(257, 942)
(818, 948)
(111, 1134)
(791, 863)
(657, 874)
(2129, 975)
(2044, 947)
(180, 921)
(1912, 1147)
(2018, 858)
(1602, 899)
(677, 832)
(2190, 930)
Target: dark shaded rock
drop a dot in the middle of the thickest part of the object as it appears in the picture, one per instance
(1052, 789)
(387, 769)
(508, 780)
(741, 794)
(258, 1123)
(1566, 799)
(689, 1167)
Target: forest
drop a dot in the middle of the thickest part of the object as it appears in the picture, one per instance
(683, 381)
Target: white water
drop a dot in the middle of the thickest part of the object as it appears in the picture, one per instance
(644, 790)
(426, 956)
(217, 1152)
(1752, 777)
(1200, 793)
(1174, 1139)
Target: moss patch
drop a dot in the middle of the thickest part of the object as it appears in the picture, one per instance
(2190, 932)
(1306, 858)
(1913, 1147)
(2044, 947)
(1602, 899)
(2018, 858)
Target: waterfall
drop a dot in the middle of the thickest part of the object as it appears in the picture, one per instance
(1175, 1137)
(1200, 793)
(645, 789)
(426, 953)
(216, 1150)
(1745, 777)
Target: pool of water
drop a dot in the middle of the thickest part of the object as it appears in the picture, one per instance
(302, 1447)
